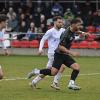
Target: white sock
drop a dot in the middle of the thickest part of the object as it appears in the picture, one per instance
(57, 78)
(36, 71)
(36, 79)
(71, 82)
(0, 66)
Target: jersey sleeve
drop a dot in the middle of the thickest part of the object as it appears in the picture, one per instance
(44, 38)
(63, 39)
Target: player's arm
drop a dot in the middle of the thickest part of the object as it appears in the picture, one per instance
(83, 33)
(67, 51)
(44, 38)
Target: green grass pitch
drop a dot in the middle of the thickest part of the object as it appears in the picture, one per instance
(17, 67)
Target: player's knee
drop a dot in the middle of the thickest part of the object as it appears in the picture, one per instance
(54, 72)
(1, 76)
(75, 66)
(1, 73)
(62, 69)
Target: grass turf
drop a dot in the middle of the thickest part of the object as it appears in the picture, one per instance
(19, 66)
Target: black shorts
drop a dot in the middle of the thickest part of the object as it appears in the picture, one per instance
(60, 59)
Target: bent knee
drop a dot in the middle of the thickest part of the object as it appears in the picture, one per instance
(1, 76)
(53, 73)
(75, 66)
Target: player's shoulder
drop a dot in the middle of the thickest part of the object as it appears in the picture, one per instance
(63, 29)
(50, 30)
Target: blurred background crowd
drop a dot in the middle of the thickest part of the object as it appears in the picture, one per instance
(35, 16)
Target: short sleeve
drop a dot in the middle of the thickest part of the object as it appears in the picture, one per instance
(63, 39)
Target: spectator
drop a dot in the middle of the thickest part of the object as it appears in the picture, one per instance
(68, 13)
(31, 34)
(96, 18)
(50, 23)
(29, 20)
(23, 29)
(36, 16)
(88, 20)
(20, 11)
(11, 13)
(68, 16)
(13, 23)
(76, 10)
(43, 24)
(86, 7)
(22, 17)
(57, 9)
(47, 10)
(3, 11)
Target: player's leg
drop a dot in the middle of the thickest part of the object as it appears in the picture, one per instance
(51, 72)
(58, 63)
(41, 76)
(6, 51)
(57, 78)
(74, 74)
(54, 70)
(34, 82)
(55, 66)
(1, 73)
(70, 62)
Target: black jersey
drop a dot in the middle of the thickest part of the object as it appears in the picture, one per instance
(66, 39)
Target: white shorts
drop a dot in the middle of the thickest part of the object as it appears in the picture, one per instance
(50, 60)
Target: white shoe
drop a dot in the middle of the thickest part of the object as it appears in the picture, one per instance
(32, 85)
(55, 86)
(32, 73)
(74, 87)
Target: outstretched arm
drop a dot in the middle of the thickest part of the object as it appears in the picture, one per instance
(66, 51)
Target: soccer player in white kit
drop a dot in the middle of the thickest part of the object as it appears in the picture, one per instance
(2, 41)
(3, 19)
(53, 37)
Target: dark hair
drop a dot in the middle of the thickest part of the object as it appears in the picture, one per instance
(75, 21)
(3, 17)
(56, 18)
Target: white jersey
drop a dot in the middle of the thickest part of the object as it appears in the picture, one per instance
(53, 37)
(1, 35)
(5, 43)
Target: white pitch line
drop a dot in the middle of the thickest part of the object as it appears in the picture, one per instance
(23, 78)
(91, 74)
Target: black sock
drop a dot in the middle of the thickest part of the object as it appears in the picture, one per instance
(45, 71)
(74, 74)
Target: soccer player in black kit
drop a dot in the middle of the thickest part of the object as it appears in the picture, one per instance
(63, 55)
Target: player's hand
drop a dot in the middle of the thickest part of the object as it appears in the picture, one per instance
(40, 52)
